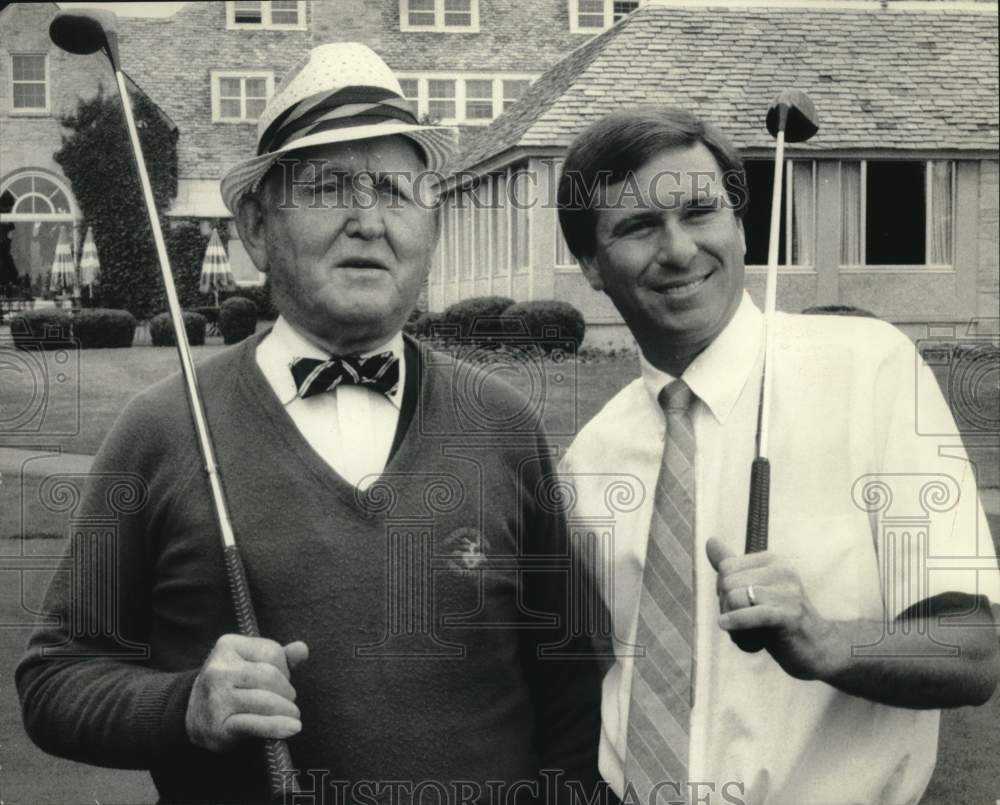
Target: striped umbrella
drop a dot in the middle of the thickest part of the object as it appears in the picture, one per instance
(90, 266)
(216, 273)
(63, 276)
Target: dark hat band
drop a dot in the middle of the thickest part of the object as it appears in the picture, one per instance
(350, 106)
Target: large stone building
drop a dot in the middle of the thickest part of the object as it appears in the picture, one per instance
(212, 65)
(891, 207)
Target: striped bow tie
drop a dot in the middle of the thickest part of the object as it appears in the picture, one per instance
(376, 372)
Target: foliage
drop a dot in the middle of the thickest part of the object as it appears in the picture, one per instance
(50, 328)
(549, 323)
(237, 319)
(186, 248)
(97, 159)
(210, 312)
(260, 295)
(426, 325)
(99, 328)
(161, 330)
(477, 316)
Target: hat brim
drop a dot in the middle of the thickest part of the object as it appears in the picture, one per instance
(437, 143)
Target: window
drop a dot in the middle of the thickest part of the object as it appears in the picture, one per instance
(463, 98)
(590, 16)
(240, 97)
(520, 230)
(513, 89)
(441, 99)
(896, 213)
(410, 89)
(29, 82)
(439, 15)
(276, 14)
(33, 193)
(797, 236)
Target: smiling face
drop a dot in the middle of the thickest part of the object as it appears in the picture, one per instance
(669, 253)
(345, 241)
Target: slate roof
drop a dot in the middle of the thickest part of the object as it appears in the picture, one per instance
(886, 78)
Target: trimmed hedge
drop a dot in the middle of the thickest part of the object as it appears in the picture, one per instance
(47, 329)
(426, 325)
(210, 312)
(260, 295)
(548, 322)
(478, 316)
(104, 328)
(161, 331)
(237, 319)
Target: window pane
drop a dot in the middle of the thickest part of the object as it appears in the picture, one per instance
(621, 8)
(590, 13)
(246, 12)
(441, 109)
(409, 86)
(29, 96)
(421, 12)
(256, 87)
(28, 67)
(441, 97)
(803, 211)
(850, 214)
(942, 217)
(513, 89)
(479, 99)
(285, 12)
(757, 220)
(229, 108)
(255, 108)
(441, 88)
(229, 87)
(458, 13)
(895, 214)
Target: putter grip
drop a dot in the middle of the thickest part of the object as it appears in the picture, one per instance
(752, 640)
(280, 771)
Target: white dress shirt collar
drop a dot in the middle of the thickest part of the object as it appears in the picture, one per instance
(718, 375)
(286, 342)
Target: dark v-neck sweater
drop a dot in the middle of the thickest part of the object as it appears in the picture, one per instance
(423, 664)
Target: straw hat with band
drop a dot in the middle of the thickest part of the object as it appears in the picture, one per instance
(337, 93)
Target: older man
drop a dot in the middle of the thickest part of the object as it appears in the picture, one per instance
(842, 706)
(407, 654)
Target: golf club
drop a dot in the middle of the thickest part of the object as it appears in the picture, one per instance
(84, 33)
(791, 118)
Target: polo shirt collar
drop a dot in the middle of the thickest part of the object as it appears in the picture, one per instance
(719, 374)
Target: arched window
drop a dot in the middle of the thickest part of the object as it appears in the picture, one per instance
(35, 195)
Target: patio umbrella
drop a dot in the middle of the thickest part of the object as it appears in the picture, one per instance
(90, 266)
(216, 273)
(63, 276)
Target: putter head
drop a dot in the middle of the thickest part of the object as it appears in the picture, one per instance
(794, 112)
(85, 32)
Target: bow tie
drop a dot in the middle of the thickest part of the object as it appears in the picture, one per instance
(376, 372)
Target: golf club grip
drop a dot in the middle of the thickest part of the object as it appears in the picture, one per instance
(752, 640)
(280, 771)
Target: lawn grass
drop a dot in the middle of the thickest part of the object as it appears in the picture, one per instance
(968, 765)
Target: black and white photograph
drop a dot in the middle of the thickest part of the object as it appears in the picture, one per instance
(500, 402)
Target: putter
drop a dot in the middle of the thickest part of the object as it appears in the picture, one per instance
(88, 32)
(791, 118)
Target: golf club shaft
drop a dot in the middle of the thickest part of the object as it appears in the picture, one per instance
(758, 508)
(280, 770)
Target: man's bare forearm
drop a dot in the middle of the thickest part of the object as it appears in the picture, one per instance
(941, 653)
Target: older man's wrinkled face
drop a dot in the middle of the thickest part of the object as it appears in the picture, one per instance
(347, 242)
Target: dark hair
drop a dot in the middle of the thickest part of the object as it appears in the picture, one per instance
(621, 143)
(838, 310)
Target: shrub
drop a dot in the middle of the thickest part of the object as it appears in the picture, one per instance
(237, 319)
(161, 331)
(427, 324)
(409, 326)
(46, 329)
(478, 316)
(186, 248)
(98, 328)
(549, 323)
(210, 312)
(260, 295)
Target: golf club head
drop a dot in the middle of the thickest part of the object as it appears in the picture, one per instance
(794, 112)
(86, 31)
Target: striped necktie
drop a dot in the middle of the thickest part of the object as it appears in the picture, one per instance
(659, 714)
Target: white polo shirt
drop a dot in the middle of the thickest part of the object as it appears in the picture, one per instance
(854, 468)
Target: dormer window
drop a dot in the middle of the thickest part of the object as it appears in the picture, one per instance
(280, 15)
